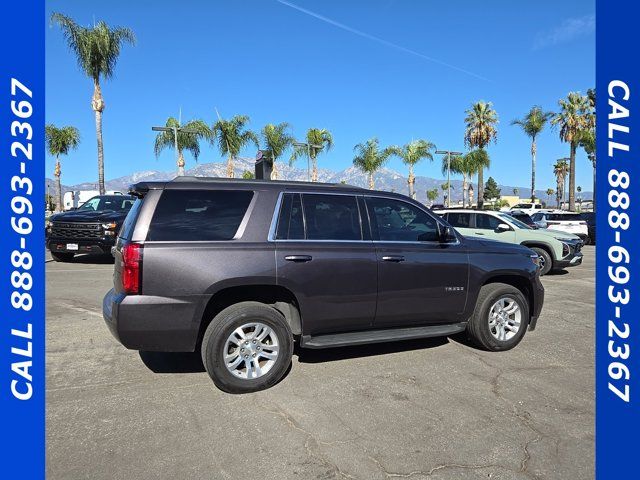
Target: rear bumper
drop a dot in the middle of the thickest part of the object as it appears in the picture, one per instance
(537, 300)
(149, 323)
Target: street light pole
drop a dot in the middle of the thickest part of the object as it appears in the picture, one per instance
(448, 153)
(175, 131)
(308, 145)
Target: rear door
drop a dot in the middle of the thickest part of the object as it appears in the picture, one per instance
(420, 280)
(324, 255)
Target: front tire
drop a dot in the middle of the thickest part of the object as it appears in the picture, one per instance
(500, 319)
(547, 261)
(247, 347)
(62, 256)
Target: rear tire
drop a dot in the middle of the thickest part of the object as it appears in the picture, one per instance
(62, 256)
(546, 258)
(262, 361)
(489, 319)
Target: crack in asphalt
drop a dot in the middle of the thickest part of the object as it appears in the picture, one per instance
(311, 439)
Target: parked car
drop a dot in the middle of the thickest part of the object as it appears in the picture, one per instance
(524, 218)
(529, 207)
(557, 249)
(240, 269)
(590, 218)
(562, 221)
(92, 228)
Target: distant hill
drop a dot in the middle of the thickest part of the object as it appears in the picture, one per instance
(385, 179)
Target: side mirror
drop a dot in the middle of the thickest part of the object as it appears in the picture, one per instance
(503, 227)
(447, 235)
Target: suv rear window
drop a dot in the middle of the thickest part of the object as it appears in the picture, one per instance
(198, 215)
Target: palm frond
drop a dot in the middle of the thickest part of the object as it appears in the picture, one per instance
(61, 140)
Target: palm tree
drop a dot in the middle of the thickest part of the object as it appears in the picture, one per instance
(317, 140)
(97, 49)
(560, 170)
(516, 191)
(481, 121)
(445, 189)
(60, 141)
(184, 141)
(411, 154)
(276, 141)
(467, 165)
(232, 137)
(574, 118)
(369, 158)
(549, 193)
(588, 142)
(532, 124)
(432, 195)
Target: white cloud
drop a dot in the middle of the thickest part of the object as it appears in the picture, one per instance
(567, 31)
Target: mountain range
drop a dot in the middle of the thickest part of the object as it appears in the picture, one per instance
(385, 179)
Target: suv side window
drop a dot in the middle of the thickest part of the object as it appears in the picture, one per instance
(459, 219)
(331, 217)
(398, 221)
(198, 215)
(290, 222)
(536, 217)
(487, 222)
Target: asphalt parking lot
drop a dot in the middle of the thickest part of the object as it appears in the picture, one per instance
(434, 409)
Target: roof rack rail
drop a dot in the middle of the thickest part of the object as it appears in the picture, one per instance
(184, 179)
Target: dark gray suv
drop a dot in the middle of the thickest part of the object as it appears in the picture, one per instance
(242, 269)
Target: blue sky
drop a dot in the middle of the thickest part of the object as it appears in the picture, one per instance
(395, 69)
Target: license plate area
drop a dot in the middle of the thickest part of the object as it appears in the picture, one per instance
(72, 246)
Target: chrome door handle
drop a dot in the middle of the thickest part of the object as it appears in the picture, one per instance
(298, 258)
(393, 258)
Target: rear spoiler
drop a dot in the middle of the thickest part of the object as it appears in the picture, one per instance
(140, 189)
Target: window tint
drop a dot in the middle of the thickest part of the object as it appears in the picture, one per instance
(290, 223)
(126, 231)
(459, 219)
(536, 217)
(203, 215)
(487, 222)
(398, 221)
(331, 217)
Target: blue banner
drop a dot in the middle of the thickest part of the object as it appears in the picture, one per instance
(22, 309)
(617, 266)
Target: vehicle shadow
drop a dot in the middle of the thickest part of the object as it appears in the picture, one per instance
(557, 273)
(191, 362)
(306, 355)
(172, 362)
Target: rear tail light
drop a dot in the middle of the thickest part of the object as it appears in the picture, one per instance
(132, 268)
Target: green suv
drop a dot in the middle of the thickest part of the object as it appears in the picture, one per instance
(556, 249)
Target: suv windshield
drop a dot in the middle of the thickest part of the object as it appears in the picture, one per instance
(110, 202)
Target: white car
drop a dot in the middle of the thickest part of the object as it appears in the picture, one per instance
(528, 208)
(561, 221)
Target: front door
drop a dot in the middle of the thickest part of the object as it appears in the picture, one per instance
(487, 225)
(324, 256)
(420, 280)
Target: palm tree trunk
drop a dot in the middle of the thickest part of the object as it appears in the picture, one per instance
(57, 172)
(371, 184)
(572, 177)
(411, 181)
(274, 171)
(97, 104)
(314, 169)
(480, 201)
(180, 164)
(533, 170)
(230, 173)
(593, 195)
(464, 188)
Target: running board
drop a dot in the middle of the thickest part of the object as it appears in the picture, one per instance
(379, 336)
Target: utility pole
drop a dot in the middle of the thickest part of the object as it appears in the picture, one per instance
(175, 131)
(448, 153)
(308, 145)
